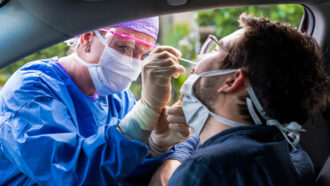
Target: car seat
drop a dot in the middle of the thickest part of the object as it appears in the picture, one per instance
(316, 141)
(324, 177)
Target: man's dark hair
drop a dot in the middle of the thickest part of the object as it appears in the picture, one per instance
(284, 67)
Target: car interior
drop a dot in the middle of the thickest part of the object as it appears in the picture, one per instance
(28, 26)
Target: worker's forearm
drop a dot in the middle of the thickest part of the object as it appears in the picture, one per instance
(139, 122)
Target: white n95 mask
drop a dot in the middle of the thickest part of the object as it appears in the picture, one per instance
(115, 71)
(195, 112)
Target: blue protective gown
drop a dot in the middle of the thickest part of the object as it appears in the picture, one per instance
(52, 133)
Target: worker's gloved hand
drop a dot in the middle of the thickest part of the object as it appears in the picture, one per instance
(157, 71)
(158, 68)
(170, 130)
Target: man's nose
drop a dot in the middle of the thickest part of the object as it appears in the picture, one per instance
(138, 56)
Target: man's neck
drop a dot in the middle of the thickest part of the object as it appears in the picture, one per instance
(211, 128)
(79, 74)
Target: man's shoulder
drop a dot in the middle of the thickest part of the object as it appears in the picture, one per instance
(243, 143)
(229, 149)
(217, 164)
(233, 154)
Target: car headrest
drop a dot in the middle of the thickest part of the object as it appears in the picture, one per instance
(324, 177)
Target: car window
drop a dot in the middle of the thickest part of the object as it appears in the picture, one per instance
(186, 32)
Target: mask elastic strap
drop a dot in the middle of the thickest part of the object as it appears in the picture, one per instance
(256, 102)
(226, 121)
(217, 72)
(252, 112)
(99, 36)
(293, 127)
(223, 120)
(81, 61)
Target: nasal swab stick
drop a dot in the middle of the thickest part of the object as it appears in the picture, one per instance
(186, 60)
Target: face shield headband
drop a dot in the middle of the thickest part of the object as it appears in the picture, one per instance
(127, 36)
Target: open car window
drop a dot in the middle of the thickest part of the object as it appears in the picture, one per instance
(184, 31)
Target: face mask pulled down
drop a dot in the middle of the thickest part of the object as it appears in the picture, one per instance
(115, 71)
(195, 112)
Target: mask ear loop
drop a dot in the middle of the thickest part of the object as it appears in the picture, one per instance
(217, 72)
(252, 112)
(81, 61)
(225, 121)
(256, 101)
(99, 36)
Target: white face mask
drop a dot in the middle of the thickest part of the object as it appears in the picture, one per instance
(115, 71)
(195, 112)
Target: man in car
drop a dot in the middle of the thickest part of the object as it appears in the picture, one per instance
(73, 121)
(245, 99)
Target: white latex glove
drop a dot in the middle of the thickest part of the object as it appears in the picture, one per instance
(157, 71)
(158, 68)
(170, 130)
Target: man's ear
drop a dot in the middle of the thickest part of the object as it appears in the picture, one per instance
(85, 41)
(233, 83)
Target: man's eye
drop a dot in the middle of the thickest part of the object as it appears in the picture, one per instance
(145, 55)
(126, 49)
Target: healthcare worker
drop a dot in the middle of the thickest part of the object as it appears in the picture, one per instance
(65, 121)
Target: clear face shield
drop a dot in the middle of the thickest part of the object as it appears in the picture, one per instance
(131, 46)
(127, 44)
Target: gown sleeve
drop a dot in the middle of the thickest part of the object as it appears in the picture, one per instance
(41, 139)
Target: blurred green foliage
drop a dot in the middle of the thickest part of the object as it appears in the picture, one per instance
(56, 50)
(225, 20)
(180, 36)
(175, 34)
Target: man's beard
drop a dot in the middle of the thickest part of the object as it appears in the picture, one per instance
(207, 93)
